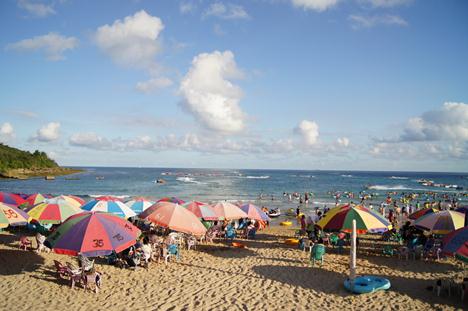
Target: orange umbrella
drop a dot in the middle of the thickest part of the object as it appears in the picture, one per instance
(175, 217)
(228, 211)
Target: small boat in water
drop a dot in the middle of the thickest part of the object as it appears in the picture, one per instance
(49, 178)
(99, 177)
(274, 213)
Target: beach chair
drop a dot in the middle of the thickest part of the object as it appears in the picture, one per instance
(317, 253)
(251, 234)
(75, 274)
(340, 244)
(92, 279)
(388, 250)
(25, 242)
(403, 252)
(61, 269)
(171, 250)
(230, 235)
(333, 240)
(306, 244)
(191, 242)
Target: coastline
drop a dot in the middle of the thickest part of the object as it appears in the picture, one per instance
(22, 173)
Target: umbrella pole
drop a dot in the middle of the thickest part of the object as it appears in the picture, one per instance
(352, 255)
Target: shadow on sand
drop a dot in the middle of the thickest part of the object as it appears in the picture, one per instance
(225, 250)
(19, 261)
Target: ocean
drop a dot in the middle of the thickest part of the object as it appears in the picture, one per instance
(262, 187)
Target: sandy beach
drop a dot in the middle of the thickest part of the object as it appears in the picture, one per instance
(266, 275)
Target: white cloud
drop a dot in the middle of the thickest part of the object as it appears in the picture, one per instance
(449, 123)
(186, 7)
(53, 45)
(210, 96)
(36, 8)
(153, 84)
(47, 133)
(361, 21)
(133, 41)
(230, 11)
(89, 140)
(6, 132)
(316, 5)
(309, 131)
(385, 3)
(343, 141)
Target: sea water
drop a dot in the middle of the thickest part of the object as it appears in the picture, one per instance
(262, 187)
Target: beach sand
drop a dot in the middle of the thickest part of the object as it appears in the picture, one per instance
(266, 275)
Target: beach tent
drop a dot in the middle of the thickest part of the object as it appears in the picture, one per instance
(110, 205)
(139, 204)
(175, 217)
(53, 211)
(10, 215)
(11, 198)
(441, 222)
(93, 234)
(340, 218)
(228, 211)
(254, 212)
(201, 210)
(456, 244)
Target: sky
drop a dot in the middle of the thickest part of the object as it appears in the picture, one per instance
(280, 84)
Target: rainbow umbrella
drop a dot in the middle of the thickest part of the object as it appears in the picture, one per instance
(254, 212)
(172, 200)
(72, 199)
(341, 219)
(175, 217)
(201, 210)
(11, 198)
(110, 205)
(11, 215)
(456, 243)
(139, 204)
(93, 234)
(422, 212)
(228, 211)
(37, 198)
(53, 211)
(441, 222)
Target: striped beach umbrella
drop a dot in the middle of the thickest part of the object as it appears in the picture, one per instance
(172, 200)
(341, 218)
(228, 211)
(110, 205)
(201, 210)
(37, 198)
(53, 211)
(73, 199)
(175, 217)
(93, 234)
(11, 198)
(441, 222)
(254, 212)
(10, 215)
(456, 244)
(139, 204)
(422, 212)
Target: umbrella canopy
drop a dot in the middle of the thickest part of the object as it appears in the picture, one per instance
(463, 209)
(228, 211)
(53, 211)
(77, 201)
(110, 205)
(175, 217)
(139, 204)
(341, 219)
(422, 212)
(11, 215)
(37, 198)
(456, 244)
(11, 198)
(93, 234)
(441, 222)
(201, 210)
(172, 200)
(254, 212)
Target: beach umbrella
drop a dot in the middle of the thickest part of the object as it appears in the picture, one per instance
(53, 211)
(456, 244)
(201, 210)
(110, 205)
(175, 217)
(172, 200)
(37, 198)
(11, 215)
(73, 199)
(340, 218)
(463, 209)
(228, 211)
(11, 198)
(139, 204)
(441, 222)
(254, 212)
(422, 212)
(93, 234)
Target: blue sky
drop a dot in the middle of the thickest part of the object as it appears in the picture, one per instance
(289, 84)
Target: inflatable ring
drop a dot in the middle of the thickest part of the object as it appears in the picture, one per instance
(291, 241)
(367, 284)
(286, 223)
(238, 245)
